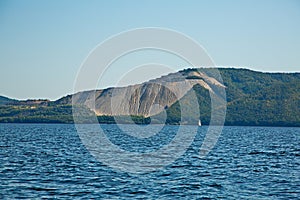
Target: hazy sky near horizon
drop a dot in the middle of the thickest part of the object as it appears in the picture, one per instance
(43, 43)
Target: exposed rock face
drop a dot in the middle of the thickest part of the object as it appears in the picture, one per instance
(146, 99)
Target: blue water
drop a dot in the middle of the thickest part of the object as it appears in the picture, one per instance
(50, 161)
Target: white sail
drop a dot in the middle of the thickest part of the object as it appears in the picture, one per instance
(199, 123)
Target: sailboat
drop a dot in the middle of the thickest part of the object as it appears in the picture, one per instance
(199, 123)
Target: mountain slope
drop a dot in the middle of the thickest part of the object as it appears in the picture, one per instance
(253, 98)
(146, 99)
(256, 98)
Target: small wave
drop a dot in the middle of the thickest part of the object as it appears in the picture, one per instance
(216, 185)
(42, 189)
(265, 153)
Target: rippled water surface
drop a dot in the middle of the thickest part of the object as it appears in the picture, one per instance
(49, 161)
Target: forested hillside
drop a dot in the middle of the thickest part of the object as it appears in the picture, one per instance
(253, 98)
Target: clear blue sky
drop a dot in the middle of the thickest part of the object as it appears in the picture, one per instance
(43, 43)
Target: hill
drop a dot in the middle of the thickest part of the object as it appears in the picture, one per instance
(6, 100)
(253, 98)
